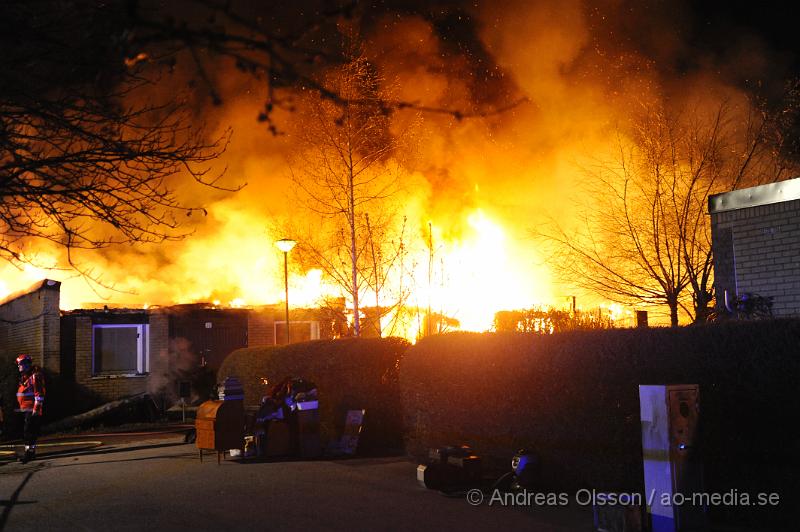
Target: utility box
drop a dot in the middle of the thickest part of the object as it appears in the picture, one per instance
(672, 468)
(219, 426)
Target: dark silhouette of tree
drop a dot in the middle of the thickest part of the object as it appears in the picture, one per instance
(643, 235)
(87, 154)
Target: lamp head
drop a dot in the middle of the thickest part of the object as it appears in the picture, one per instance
(285, 244)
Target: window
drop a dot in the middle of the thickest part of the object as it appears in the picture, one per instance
(299, 331)
(120, 349)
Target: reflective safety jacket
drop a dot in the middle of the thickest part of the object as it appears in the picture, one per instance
(30, 394)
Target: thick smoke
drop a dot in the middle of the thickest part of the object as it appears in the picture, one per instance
(577, 65)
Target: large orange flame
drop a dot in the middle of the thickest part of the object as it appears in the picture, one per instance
(483, 182)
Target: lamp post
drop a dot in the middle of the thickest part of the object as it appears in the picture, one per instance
(286, 245)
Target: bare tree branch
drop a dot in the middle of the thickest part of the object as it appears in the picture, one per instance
(88, 158)
(286, 52)
(346, 176)
(645, 237)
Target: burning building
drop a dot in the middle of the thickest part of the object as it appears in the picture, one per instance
(543, 84)
(117, 352)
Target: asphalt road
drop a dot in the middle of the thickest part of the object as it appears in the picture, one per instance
(157, 482)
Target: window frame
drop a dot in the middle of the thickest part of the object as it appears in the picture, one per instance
(312, 324)
(142, 349)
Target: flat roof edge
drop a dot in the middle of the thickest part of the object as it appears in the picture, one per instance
(770, 193)
(38, 285)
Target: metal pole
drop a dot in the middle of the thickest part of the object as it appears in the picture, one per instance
(430, 274)
(286, 285)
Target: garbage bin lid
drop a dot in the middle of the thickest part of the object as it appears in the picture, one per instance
(308, 405)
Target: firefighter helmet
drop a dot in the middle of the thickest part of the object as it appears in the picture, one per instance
(24, 359)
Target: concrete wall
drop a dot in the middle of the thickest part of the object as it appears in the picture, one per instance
(757, 251)
(29, 323)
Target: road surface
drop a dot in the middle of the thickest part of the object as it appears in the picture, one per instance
(157, 482)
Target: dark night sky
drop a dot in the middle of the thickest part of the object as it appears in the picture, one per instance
(721, 22)
(775, 21)
(679, 36)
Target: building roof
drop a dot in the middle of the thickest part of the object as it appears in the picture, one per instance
(38, 285)
(754, 196)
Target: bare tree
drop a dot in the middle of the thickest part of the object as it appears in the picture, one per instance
(644, 236)
(725, 152)
(86, 157)
(387, 251)
(346, 174)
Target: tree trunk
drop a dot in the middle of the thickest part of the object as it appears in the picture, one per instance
(375, 267)
(673, 312)
(701, 311)
(353, 256)
(87, 418)
(702, 298)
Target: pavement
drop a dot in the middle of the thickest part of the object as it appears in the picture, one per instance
(155, 481)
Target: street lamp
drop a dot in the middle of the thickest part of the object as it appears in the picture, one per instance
(286, 245)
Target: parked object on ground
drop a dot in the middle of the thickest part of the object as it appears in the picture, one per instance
(119, 410)
(219, 426)
(249, 447)
(288, 421)
(451, 469)
(672, 465)
(525, 467)
(347, 445)
(231, 390)
(273, 440)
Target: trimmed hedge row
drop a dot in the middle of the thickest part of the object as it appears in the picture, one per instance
(350, 373)
(573, 398)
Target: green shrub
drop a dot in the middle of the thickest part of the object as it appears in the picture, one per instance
(349, 373)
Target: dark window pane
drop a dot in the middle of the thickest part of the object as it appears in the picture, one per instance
(115, 349)
(298, 332)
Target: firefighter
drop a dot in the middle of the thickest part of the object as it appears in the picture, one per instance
(30, 396)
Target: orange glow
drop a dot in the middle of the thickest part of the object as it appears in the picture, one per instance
(480, 273)
(484, 182)
(473, 276)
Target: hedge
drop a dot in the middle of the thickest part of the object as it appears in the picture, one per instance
(350, 373)
(573, 398)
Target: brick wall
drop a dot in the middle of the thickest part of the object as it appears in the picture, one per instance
(757, 251)
(317, 323)
(261, 328)
(108, 387)
(30, 324)
(83, 349)
(160, 358)
(112, 387)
